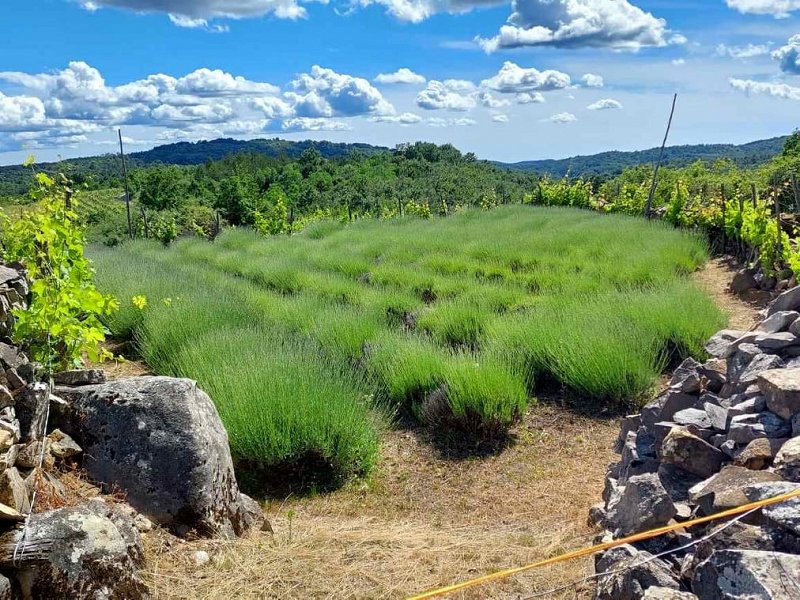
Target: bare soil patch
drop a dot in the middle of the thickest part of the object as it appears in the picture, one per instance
(742, 309)
(423, 520)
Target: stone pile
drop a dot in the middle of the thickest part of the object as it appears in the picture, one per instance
(156, 441)
(726, 432)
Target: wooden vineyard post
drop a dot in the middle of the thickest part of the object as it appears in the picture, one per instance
(796, 192)
(722, 199)
(399, 207)
(778, 223)
(753, 194)
(127, 190)
(144, 222)
(349, 212)
(648, 208)
(291, 220)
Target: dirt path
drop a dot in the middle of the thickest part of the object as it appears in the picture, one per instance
(742, 310)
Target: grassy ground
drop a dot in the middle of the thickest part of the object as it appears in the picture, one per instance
(309, 343)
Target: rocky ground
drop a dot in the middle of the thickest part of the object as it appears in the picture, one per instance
(726, 432)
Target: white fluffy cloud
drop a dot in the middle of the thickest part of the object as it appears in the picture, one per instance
(500, 118)
(406, 118)
(511, 79)
(777, 90)
(591, 80)
(454, 122)
(529, 98)
(562, 117)
(326, 93)
(777, 8)
(313, 124)
(402, 75)
(741, 52)
(447, 95)
(196, 13)
(490, 101)
(605, 104)
(614, 24)
(788, 56)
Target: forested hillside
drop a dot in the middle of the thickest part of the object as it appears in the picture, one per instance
(615, 162)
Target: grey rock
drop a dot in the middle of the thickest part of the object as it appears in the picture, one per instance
(753, 404)
(742, 536)
(742, 281)
(796, 425)
(78, 553)
(692, 416)
(11, 357)
(13, 491)
(759, 364)
(765, 341)
(714, 373)
(759, 454)
(676, 481)
(628, 424)
(746, 428)
(721, 341)
(779, 321)
(726, 489)
(63, 446)
(782, 390)
(80, 377)
(15, 381)
(691, 453)
(6, 592)
(787, 460)
(664, 407)
(739, 360)
(632, 575)
(641, 504)
(788, 300)
(747, 575)
(786, 513)
(686, 378)
(662, 593)
(794, 328)
(729, 448)
(161, 441)
(717, 415)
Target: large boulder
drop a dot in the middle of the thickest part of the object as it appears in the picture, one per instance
(77, 552)
(786, 513)
(779, 321)
(782, 390)
(759, 454)
(161, 441)
(747, 575)
(767, 342)
(720, 342)
(641, 504)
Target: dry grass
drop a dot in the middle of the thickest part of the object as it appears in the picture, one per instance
(422, 521)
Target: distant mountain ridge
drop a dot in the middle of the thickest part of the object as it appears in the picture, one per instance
(614, 162)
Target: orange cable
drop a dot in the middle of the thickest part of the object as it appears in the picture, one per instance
(646, 535)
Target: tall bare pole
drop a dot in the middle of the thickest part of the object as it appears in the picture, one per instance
(648, 209)
(127, 190)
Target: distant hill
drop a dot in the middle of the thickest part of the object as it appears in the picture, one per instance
(613, 163)
(195, 153)
(15, 179)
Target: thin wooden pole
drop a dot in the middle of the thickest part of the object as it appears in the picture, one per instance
(778, 221)
(724, 234)
(144, 222)
(127, 190)
(291, 219)
(796, 191)
(753, 194)
(648, 209)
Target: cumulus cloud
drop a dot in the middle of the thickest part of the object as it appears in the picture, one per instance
(788, 56)
(500, 118)
(563, 117)
(679, 62)
(777, 90)
(605, 104)
(490, 101)
(616, 24)
(406, 118)
(454, 122)
(511, 79)
(312, 124)
(326, 93)
(402, 75)
(416, 11)
(780, 9)
(196, 13)
(447, 95)
(529, 98)
(742, 52)
(591, 80)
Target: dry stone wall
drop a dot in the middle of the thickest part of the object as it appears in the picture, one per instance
(726, 432)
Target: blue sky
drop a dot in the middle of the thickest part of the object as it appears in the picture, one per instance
(510, 80)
